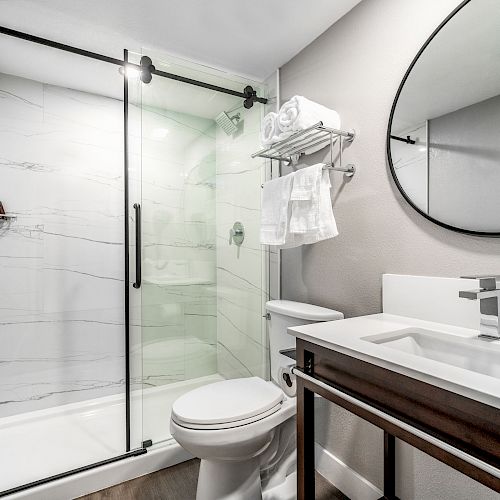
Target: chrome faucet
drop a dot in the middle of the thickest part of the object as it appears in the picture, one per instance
(489, 305)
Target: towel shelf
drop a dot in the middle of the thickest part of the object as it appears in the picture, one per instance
(292, 148)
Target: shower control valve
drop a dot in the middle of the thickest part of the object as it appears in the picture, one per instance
(237, 234)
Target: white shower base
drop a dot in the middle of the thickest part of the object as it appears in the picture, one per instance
(40, 444)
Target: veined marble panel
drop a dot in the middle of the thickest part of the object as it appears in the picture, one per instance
(61, 259)
(179, 252)
(242, 347)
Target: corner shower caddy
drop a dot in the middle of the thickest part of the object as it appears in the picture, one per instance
(292, 148)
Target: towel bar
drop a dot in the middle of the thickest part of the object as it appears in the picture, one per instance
(291, 149)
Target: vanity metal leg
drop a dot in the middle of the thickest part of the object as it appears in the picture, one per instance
(305, 442)
(389, 467)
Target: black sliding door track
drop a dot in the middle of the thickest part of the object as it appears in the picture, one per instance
(123, 63)
(49, 479)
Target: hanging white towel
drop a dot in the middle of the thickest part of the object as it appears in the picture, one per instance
(305, 200)
(299, 113)
(275, 210)
(320, 218)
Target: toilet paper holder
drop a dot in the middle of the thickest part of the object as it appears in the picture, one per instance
(289, 353)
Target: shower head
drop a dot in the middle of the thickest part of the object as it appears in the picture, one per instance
(229, 125)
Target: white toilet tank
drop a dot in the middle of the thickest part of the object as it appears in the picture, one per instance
(285, 314)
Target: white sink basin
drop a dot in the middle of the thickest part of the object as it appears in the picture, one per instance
(470, 354)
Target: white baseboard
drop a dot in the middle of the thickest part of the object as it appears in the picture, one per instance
(347, 480)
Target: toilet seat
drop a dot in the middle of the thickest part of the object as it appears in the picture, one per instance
(227, 404)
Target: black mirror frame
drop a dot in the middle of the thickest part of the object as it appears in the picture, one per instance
(388, 139)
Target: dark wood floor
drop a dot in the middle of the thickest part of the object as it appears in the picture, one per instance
(179, 483)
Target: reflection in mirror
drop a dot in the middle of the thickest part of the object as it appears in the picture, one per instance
(444, 142)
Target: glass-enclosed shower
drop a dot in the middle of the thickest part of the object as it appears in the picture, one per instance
(129, 251)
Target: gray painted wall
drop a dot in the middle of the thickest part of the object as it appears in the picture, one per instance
(355, 67)
(464, 166)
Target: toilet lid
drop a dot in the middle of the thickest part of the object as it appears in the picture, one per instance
(230, 401)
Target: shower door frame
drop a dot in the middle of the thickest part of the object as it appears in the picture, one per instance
(250, 97)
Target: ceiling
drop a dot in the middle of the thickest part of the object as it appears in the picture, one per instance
(251, 39)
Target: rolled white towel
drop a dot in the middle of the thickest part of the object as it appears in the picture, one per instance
(299, 113)
(269, 129)
(270, 133)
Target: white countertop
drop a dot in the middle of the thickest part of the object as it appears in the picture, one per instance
(345, 336)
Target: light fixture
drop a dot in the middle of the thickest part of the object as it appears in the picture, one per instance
(144, 70)
(130, 71)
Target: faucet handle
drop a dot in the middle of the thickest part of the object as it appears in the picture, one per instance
(486, 282)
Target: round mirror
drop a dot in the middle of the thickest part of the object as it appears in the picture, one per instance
(443, 140)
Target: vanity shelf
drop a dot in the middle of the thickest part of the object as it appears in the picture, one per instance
(292, 148)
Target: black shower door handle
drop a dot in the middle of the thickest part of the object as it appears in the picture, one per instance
(138, 246)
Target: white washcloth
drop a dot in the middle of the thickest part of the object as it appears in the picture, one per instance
(305, 200)
(299, 113)
(324, 228)
(305, 182)
(274, 215)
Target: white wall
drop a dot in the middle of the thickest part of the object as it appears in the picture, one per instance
(356, 68)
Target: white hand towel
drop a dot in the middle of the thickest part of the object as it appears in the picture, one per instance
(299, 113)
(327, 227)
(274, 215)
(305, 182)
(305, 200)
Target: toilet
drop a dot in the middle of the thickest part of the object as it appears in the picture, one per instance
(243, 429)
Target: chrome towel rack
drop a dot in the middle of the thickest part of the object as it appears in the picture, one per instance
(292, 148)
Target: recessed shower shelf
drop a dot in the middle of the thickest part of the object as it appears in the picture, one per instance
(292, 148)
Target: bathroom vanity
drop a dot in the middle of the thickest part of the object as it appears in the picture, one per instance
(433, 385)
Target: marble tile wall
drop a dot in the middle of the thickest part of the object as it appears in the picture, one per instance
(61, 259)
(242, 284)
(61, 317)
(179, 281)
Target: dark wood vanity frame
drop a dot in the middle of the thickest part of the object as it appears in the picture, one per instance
(463, 423)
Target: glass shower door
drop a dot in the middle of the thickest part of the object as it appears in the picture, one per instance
(202, 298)
(62, 357)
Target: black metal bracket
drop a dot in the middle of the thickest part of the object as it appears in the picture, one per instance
(147, 68)
(408, 139)
(250, 96)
